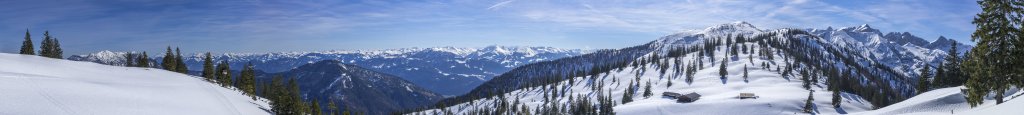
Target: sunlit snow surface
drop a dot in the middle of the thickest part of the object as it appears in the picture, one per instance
(32, 85)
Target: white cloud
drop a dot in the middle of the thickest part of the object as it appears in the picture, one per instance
(499, 4)
(672, 16)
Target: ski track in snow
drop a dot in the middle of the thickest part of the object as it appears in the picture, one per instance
(44, 94)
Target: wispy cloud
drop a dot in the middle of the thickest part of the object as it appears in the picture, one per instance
(263, 26)
(499, 4)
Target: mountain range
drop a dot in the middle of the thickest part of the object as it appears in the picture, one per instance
(445, 70)
(356, 88)
(887, 62)
(880, 70)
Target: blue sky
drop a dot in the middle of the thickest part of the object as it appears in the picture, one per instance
(85, 26)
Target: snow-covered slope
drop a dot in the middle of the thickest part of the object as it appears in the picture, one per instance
(778, 94)
(446, 70)
(356, 88)
(769, 52)
(950, 101)
(33, 85)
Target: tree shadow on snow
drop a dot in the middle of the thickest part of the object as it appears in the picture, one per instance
(815, 108)
(723, 79)
(262, 108)
(840, 110)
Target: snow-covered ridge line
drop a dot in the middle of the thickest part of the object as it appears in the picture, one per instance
(34, 85)
(447, 70)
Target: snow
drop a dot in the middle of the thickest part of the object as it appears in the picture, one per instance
(949, 101)
(1009, 107)
(778, 95)
(33, 85)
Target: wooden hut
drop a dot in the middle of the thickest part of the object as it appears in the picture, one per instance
(748, 96)
(672, 95)
(691, 97)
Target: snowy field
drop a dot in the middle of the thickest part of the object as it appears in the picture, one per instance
(33, 85)
(778, 95)
(947, 101)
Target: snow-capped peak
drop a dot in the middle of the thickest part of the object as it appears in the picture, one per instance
(734, 27)
(497, 49)
(688, 37)
(864, 28)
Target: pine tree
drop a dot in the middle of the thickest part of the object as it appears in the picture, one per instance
(224, 73)
(26, 46)
(978, 84)
(129, 60)
(995, 55)
(208, 66)
(834, 85)
(247, 81)
(808, 105)
(58, 53)
(952, 74)
(46, 46)
(940, 80)
(922, 80)
(669, 84)
(316, 108)
(627, 96)
(168, 62)
(647, 90)
(745, 73)
(179, 63)
(332, 109)
(297, 104)
(280, 102)
(142, 61)
(837, 100)
(722, 70)
(806, 79)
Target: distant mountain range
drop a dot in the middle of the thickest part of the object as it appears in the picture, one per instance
(902, 51)
(882, 70)
(446, 70)
(355, 87)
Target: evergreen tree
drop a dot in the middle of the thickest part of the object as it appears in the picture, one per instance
(46, 46)
(808, 105)
(837, 100)
(297, 104)
(806, 79)
(179, 64)
(952, 75)
(129, 58)
(168, 62)
(58, 53)
(316, 108)
(940, 80)
(669, 84)
(647, 90)
(143, 60)
(722, 70)
(224, 73)
(627, 96)
(26, 46)
(280, 100)
(745, 73)
(692, 70)
(996, 59)
(834, 85)
(922, 81)
(332, 109)
(247, 81)
(208, 66)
